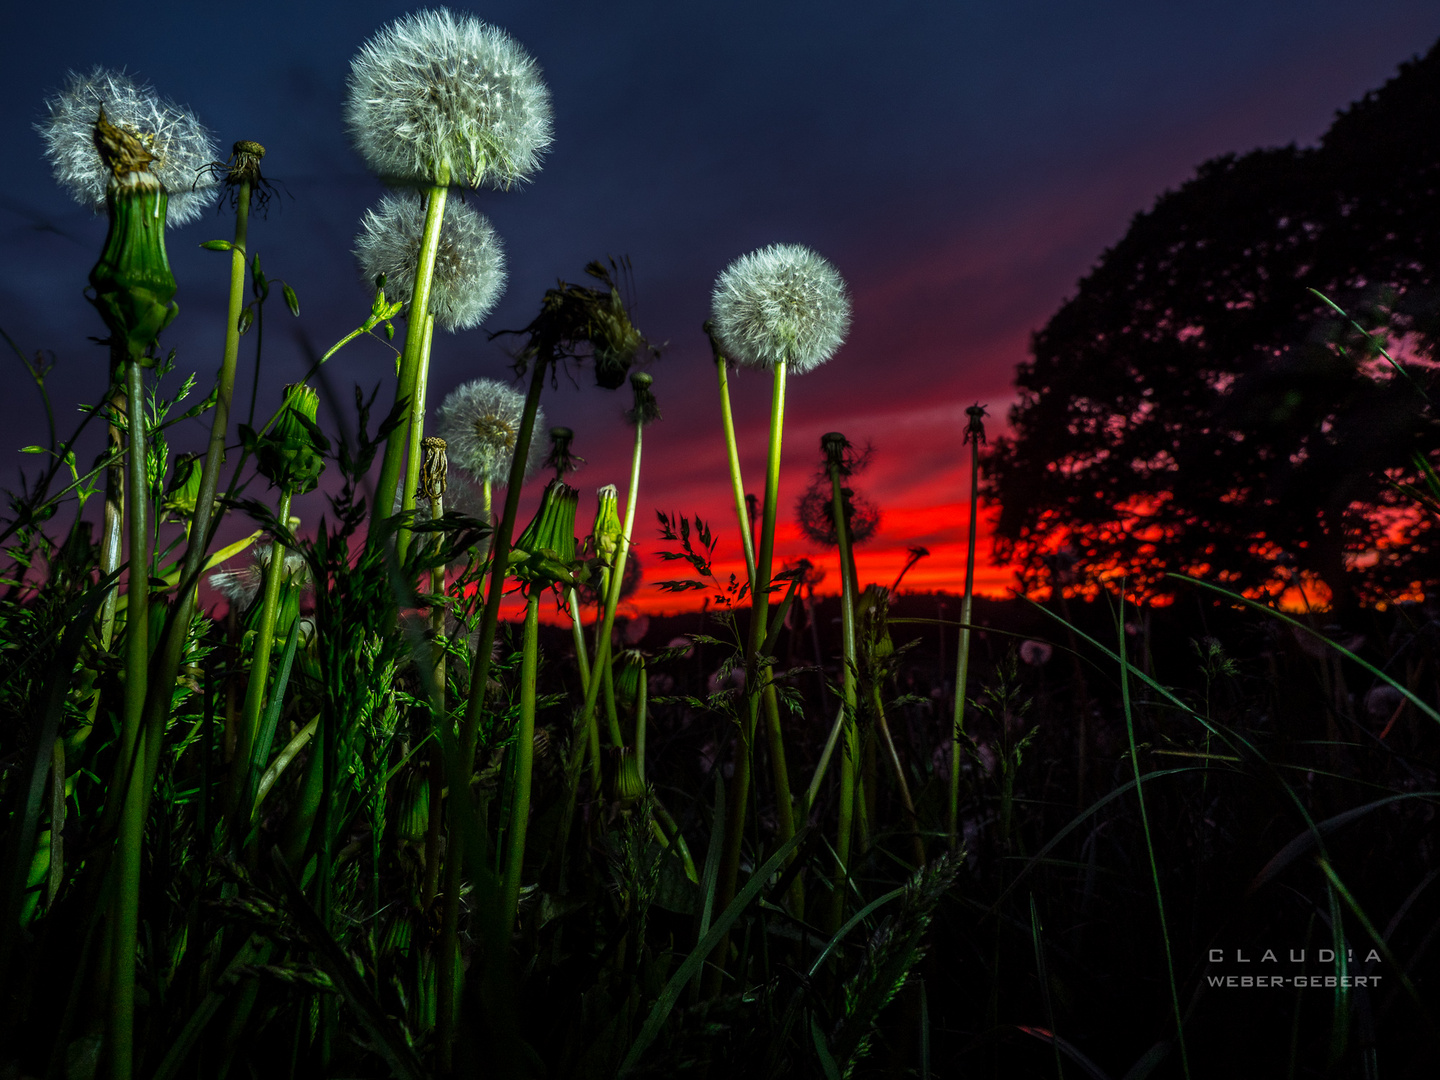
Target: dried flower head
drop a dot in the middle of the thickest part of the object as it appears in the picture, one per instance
(815, 513)
(179, 146)
(783, 303)
(469, 265)
(480, 423)
(241, 585)
(436, 98)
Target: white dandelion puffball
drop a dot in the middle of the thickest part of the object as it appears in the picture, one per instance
(441, 98)
(242, 584)
(181, 144)
(480, 423)
(781, 303)
(469, 265)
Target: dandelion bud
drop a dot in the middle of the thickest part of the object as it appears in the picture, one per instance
(290, 456)
(629, 670)
(606, 533)
(172, 144)
(480, 423)
(975, 429)
(781, 304)
(545, 552)
(647, 409)
(629, 785)
(436, 98)
(469, 264)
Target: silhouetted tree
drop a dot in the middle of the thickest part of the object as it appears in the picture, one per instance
(1194, 407)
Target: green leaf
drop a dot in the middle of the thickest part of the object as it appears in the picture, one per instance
(291, 300)
(32, 450)
(217, 245)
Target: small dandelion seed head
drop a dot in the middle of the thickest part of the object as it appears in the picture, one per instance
(442, 98)
(469, 264)
(240, 585)
(480, 423)
(180, 145)
(783, 303)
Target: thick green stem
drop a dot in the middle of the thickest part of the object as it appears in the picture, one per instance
(773, 730)
(962, 658)
(259, 678)
(417, 435)
(132, 752)
(524, 747)
(850, 752)
(460, 802)
(412, 359)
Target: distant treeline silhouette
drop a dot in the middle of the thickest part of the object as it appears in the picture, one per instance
(1195, 407)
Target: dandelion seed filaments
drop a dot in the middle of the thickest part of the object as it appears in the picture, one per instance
(783, 303)
(469, 264)
(480, 423)
(179, 143)
(436, 98)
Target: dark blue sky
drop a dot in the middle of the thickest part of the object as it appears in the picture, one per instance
(963, 164)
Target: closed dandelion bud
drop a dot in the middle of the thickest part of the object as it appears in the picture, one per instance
(290, 455)
(544, 554)
(606, 533)
(647, 409)
(414, 811)
(480, 423)
(781, 304)
(629, 670)
(469, 263)
(437, 98)
(629, 785)
(434, 468)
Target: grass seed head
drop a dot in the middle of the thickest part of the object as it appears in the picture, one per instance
(176, 145)
(469, 265)
(783, 303)
(437, 98)
(480, 423)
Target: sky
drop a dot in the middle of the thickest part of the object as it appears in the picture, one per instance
(962, 164)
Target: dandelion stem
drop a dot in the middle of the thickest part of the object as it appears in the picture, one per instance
(847, 711)
(962, 655)
(474, 707)
(259, 678)
(737, 485)
(524, 747)
(132, 755)
(417, 433)
(411, 378)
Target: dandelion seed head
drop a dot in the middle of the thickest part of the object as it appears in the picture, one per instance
(242, 584)
(440, 98)
(782, 303)
(480, 423)
(469, 264)
(181, 145)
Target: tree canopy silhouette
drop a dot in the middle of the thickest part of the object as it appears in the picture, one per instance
(1194, 407)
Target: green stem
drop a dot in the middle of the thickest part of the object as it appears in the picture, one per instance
(417, 434)
(137, 658)
(412, 359)
(1149, 841)
(259, 677)
(851, 749)
(474, 708)
(524, 762)
(962, 657)
(737, 485)
(113, 523)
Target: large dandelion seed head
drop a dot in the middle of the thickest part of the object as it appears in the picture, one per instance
(480, 423)
(181, 146)
(783, 303)
(469, 264)
(439, 98)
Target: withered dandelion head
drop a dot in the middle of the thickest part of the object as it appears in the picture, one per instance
(178, 146)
